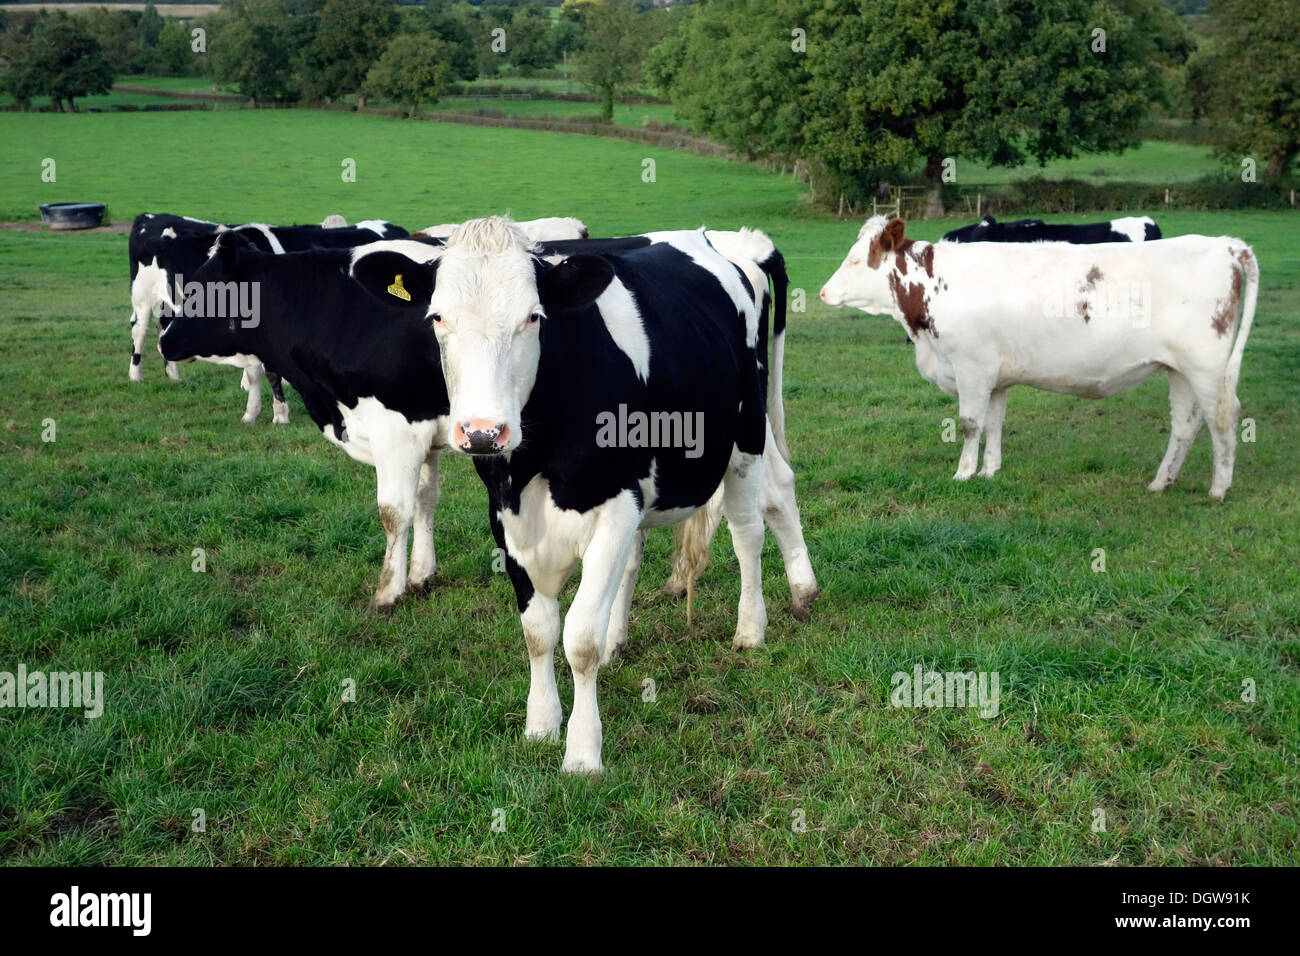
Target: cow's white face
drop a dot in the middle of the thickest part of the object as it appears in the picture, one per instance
(486, 295)
(487, 313)
(862, 280)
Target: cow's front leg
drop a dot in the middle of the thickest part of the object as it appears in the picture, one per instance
(604, 561)
(541, 623)
(997, 414)
(279, 407)
(616, 635)
(973, 396)
(252, 383)
(741, 499)
(397, 474)
(423, 559)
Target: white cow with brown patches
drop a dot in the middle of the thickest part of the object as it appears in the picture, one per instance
(1084, 320)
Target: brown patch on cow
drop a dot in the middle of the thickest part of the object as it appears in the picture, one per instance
(388, 518)
(536, 646)
(912, 303)
(1225, 316)
(584, 659)
(1089, 283)
(890, 238)
(907, 252)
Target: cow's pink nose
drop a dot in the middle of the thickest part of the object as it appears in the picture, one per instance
(480, 436)
(823, 293)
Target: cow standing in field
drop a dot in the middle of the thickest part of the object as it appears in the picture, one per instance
(541, 360)
(1083, 320)
(988, 229)
(163, 248)
(550, 229)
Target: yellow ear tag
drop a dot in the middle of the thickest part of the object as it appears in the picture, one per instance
(397, 289)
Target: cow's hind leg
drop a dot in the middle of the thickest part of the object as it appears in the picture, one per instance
(139, 329)
(973, 396)
(423, 559)
(616, 633)
(279, 407)
(251, 382)
(741, 500)
(997, 414)
(1184, 422)
(781, 512)
(604, 561)
(1206, 388)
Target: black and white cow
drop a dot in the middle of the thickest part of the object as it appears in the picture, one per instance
(1127, 229)
(367, 371)
(599, 395)
(164, 247)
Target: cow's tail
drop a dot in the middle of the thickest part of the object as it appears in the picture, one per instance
(1227, 411)
(693, 540)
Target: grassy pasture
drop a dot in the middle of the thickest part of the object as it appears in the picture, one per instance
(1120, 691)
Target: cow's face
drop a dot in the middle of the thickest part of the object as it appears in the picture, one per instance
(191, 332)
(862, 280)
(487, 297)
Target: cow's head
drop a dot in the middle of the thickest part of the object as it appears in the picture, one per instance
(197, 329)
(862, 280)
(487, 296)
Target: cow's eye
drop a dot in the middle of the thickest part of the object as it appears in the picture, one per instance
(435, 318)
(535, 318)
(855, 261)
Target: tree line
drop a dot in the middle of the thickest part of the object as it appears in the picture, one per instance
(857, 92)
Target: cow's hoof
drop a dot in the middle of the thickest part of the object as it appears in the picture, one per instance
(1218, 494)
(1158, 486)
(586, 765)
(421, 588)
(280, 420)
(802, 602)
(987, 473)
(543, 735)
(376, 607)
(963, 475)
(745, 642)
(134, 374)
(249, 418)
(613, 650)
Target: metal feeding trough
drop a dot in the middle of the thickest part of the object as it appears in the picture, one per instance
(73, 215)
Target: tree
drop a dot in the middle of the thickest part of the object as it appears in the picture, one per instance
(60, 59)
(350, 36)
(174, 56)
(118, 35)
(1255, 81)
(253, 49)
(612, 50)
(869, 89)
(413, 69)
(530, 41)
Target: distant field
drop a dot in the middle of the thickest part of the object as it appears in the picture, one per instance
(634, 115)
(104, 100)
(1155, 161)
(1121, 691)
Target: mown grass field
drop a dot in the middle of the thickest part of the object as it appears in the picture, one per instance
(1120, 691)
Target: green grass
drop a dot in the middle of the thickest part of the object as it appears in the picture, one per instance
(1155, 161)
(1120, 691)
(106, 100)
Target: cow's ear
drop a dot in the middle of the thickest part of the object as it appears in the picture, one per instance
(226, 250)
(575, 283)
(892, 236)
(396, 279)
